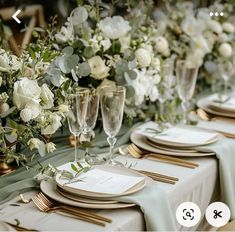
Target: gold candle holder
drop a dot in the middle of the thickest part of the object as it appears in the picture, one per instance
(4, 167)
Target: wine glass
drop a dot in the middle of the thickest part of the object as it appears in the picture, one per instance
(112, 107)
(91, 117)
(77, 114)
(186, 76)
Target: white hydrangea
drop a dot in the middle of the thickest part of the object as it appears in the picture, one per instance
(143, 57)
(50, 147)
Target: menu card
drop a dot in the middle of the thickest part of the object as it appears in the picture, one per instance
(103, 181)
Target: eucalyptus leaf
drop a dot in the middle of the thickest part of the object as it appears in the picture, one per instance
(55, 80)
(66, 64)
(88, 52)
(83, 69)
(68, 51)
(131, 74)
(130, 91)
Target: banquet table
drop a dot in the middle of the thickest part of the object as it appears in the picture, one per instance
(199, 185)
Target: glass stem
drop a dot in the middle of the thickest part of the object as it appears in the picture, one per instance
(111, 141)
(185, 111)
(75, 147)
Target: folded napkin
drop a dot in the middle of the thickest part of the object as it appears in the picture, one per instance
(225, 152)
(155, 206)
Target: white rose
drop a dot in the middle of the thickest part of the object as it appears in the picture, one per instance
(34, 143)
(47, 97)
(98, 68)
(114, 27)
(54, 124)
(26, 114)
(228, 27)
(50, 147)
(214, 26)
(195, 58)
(8, 62)
(26, 91)
(143, 57)
(65, 34)
(35, 108)
(161, 44)
(199, 42)
(106, 44)
(78, 16)
(225, 50)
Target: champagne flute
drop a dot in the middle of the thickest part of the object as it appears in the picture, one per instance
(77, 114)
(186, 76)
(112, 107)
(91, 117)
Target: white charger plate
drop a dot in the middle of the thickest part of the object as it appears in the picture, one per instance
(141, 142)
(49, 188)
(205, 104)
(98, 195)
(75, 197)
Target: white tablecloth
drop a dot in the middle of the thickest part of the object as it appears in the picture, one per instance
(198, 185)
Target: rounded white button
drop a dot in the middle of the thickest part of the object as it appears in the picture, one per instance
(188, 214)
(218, 214)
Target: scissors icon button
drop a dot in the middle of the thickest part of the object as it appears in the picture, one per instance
(217, 214)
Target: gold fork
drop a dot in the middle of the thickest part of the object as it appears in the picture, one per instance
(46, 205)
(138, 153)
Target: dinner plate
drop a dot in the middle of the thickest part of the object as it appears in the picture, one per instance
(75, 197)
(205, 104)
(49, 188)
(187, 144)
(98, 195)
(141, 142)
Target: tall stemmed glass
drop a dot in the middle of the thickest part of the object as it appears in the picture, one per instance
(91, 117)
(112, 107)
(77, 114)
(186, 76)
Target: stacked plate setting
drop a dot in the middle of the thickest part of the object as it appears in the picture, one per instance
(99, 188)
(212, 105)
(186, 141)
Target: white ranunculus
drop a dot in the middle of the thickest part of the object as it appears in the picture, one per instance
(114, 27)
(47, 97)
(223, 38)
(35, 108)
(143, 57)
(214, 26)
(98, 68)
(191, 26)
(54, 124)
(50, 147)
(106, 44)
(78, 16)
(225, 50)
(26, 114)
(65, 34)
(228, 27)
(8, 62)
(26, 91)
(161, 44)
(34, 143)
